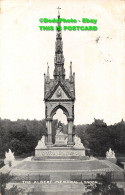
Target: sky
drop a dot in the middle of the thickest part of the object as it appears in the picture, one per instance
(98, 58)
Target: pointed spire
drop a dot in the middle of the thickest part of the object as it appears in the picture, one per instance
(58, 12)
(59, 23)
(47, 70)
(70, 74)
(59, 72)
(47, 75)
(70, 69)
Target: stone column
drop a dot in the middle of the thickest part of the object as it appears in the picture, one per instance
(49, 131)
(70, 136)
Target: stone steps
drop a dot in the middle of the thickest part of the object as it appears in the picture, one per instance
(51, 187)
(113, 166)
(60, 165)
(64, 170)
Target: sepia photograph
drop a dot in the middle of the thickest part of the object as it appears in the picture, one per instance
(62, 97)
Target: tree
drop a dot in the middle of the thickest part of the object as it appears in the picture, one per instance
(104, 186)
(4, 178)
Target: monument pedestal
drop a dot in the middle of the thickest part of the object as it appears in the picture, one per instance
(61, 139)
(62, 149)
(59, 153)
(110, 155)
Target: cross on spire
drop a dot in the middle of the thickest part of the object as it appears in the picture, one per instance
(58, 8)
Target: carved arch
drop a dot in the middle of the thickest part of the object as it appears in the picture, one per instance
(65, 111)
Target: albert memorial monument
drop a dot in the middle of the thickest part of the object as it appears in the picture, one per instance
(59, 93)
